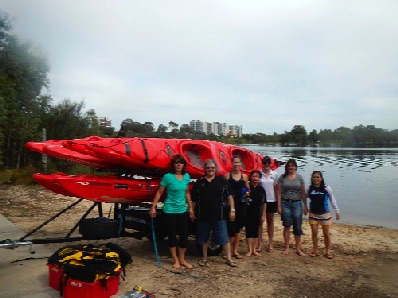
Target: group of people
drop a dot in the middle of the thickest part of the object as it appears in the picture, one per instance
(224, 205)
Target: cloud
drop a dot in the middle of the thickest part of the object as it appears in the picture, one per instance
(265, 65)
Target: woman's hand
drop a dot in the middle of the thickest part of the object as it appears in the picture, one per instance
(232, 215)
(152, 212)
(279, 210)
(191, 214)
(263, 217)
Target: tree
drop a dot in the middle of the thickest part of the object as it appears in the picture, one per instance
(313, 137)
(66, 121)
(173, 125)
(299, 135)
(325, 136)
(162, 129)
(23, 75)
(344, 136)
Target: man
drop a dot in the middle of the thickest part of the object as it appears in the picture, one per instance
(208, 196)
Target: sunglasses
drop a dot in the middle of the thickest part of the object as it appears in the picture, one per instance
(179, 162)
(210, 168)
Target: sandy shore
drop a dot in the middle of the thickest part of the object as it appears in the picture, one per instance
(365, 262)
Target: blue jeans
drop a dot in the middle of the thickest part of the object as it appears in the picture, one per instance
(292, 213)
(219, 228)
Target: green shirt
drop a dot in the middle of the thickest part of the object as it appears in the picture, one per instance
(175, 201)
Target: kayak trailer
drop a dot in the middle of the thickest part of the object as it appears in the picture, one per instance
(129, 220)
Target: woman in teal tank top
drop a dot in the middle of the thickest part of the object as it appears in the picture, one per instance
(176, 212)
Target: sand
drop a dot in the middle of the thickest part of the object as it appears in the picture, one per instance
(365, 262)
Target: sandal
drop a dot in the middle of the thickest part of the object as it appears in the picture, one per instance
(329, 256)
(203, 262)
(238, 256)
(231, 263)
(314, 254)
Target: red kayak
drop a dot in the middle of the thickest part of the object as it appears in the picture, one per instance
(59, 151)
(136, 153)
(154, 153)
(150, 155)
(107, 189)
(54, 148)
(50, 182)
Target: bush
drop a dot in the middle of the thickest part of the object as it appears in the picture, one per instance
(18, 177)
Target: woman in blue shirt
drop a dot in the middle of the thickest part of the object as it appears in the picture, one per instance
(320, 195)
(175, 209)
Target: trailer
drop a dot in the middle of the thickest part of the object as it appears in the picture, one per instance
(127, 220)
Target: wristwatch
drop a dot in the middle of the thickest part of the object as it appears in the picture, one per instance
(232, 210)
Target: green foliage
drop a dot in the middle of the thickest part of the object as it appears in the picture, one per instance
(18, 176)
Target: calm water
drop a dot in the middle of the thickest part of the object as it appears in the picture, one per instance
(364, 181)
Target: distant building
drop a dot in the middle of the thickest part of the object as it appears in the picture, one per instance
(198, 125)
(216, 128)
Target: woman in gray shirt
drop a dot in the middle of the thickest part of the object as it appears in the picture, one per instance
(291, 193)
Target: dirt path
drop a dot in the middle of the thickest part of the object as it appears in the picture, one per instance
(365, 262)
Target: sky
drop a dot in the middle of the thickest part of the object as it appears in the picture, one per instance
(265, 65)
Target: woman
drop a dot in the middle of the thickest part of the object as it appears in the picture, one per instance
(319, 194)
(239, 183)
(269, 181)
(175, 209)
(209, 195)
(255, 211)
(291, 193)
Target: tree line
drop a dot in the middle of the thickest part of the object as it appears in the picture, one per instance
(359, 136)
(25, 108)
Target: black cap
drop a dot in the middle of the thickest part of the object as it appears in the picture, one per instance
(266, 160)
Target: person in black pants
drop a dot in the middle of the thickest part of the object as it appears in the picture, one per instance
(256, 210)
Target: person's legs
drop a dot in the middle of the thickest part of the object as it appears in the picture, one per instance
(249, 242)
(221, 238)
(286, 235)
(239, 222)
(176, 262)
(251, 236)
(297, 216)
(259, 240)
(270, 231)
(326, 236)
(287, 222)
(181, 257)
(235, 246)
(182, 223)
(297, 239)
(231, 233)
(171, 221)
(314, 232)
(202, 237)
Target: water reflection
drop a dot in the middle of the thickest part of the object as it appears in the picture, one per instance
(362, 179)
(360, 159)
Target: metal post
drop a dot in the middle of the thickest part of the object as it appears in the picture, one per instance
(44, 156)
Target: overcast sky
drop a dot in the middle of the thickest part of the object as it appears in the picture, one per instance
(265, 65)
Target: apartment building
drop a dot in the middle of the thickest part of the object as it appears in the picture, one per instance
(216, 128)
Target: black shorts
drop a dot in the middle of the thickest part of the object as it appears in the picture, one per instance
(235, 226)
(272, 207)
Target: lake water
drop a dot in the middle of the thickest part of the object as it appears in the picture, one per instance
(364, 181)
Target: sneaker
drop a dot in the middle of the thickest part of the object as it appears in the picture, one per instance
(203, 262)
